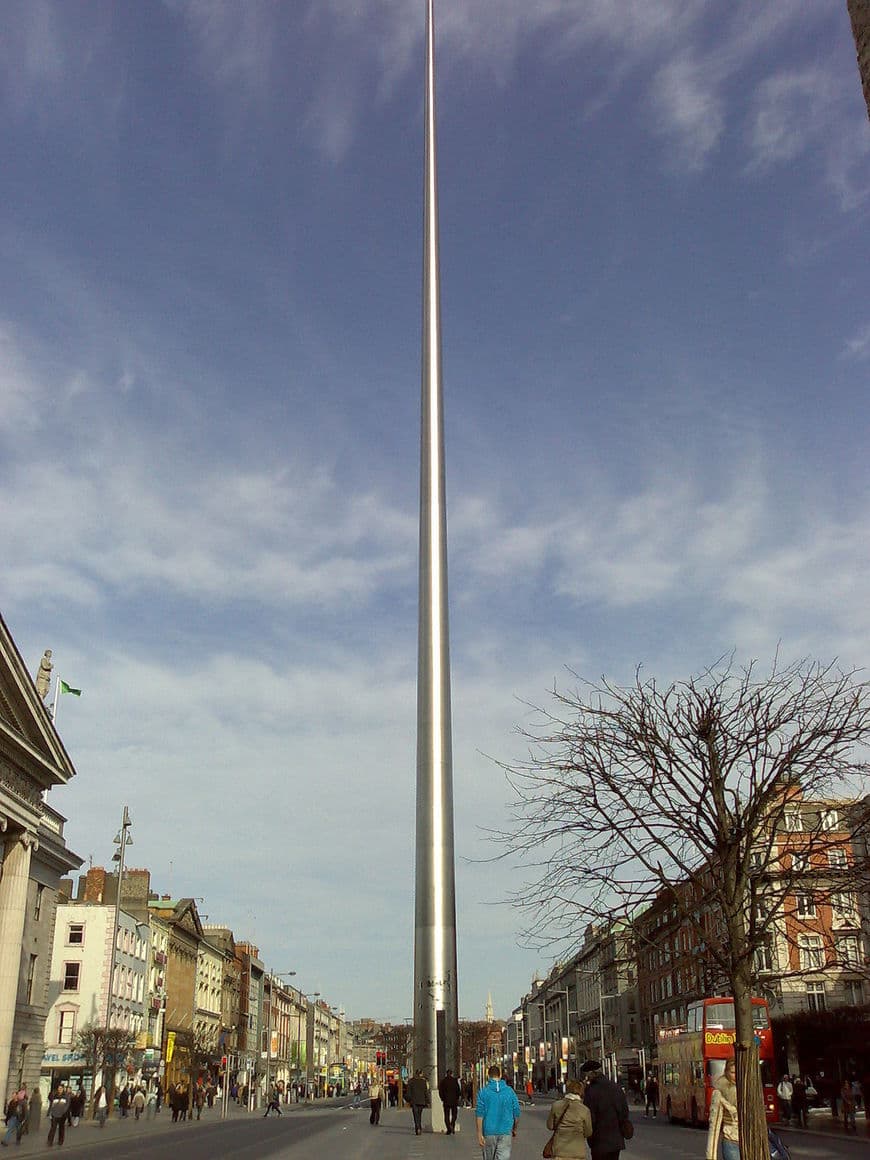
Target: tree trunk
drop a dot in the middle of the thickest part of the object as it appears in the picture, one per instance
(750, 1093)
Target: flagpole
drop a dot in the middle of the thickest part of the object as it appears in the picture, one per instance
(54, 706)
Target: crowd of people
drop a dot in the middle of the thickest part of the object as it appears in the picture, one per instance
(796, 1094)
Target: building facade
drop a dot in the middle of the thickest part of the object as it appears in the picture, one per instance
(34, 860)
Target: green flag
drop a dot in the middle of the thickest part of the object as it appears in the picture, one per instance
(65, 688)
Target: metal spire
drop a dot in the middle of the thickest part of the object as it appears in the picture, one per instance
(436, 1014)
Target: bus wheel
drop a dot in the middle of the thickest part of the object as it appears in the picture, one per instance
(670, 1113)
(694, 1114)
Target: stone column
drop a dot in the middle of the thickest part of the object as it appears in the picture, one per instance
(14, 877)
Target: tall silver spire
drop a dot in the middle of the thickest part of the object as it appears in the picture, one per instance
(436, 1011)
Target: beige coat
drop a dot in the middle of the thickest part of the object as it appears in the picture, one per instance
(574, 1129)
(723, 1116)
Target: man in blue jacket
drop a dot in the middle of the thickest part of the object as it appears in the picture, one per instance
(497, 1114)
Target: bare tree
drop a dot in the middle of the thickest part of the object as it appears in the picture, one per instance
(632, 792)
(105, 1050)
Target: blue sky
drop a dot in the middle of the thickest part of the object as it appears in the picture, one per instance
(656, 335)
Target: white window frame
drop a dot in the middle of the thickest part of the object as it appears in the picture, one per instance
(804, 904)
(75, 926)
(830, 820)
(837, 859)
(63, 1014)
(793, 821)
(844, 911)
(811, 950)
(849, 950)
(814, 992)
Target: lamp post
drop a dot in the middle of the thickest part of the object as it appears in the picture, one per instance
(122, 840)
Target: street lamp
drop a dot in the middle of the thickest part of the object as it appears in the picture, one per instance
(122, 840)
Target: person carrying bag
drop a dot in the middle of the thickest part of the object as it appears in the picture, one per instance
(571, 1124)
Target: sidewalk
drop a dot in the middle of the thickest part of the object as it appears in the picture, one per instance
(117, 1127)
(822, 1123)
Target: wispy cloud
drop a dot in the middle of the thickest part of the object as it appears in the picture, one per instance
(858, 346)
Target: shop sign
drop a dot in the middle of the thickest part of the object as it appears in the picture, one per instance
(61, 1058)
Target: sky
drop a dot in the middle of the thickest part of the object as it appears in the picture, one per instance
(656, 340)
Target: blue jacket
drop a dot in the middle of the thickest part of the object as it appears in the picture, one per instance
(498, 1107)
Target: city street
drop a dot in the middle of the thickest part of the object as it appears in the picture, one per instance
(340, 1132)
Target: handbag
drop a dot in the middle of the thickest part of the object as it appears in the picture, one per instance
(549, 1147)
(627, 1129)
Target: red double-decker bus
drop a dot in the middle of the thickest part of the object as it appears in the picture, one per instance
(691, 1058)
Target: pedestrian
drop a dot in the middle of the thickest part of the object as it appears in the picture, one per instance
(652, 1097)
(847, 1095)
(58, 1110)
(77, 1106)
(151, 1105)
(609, 1110)
(417, 1095)
(450, 1091)
(497, 1114)
(158, 1091)
(723, 1116)
(138, 1103)
(16, 1116)
(799, 1101)
(571, 1122)
(376, 1093)
(124, 1100)
(784, 1092)
(101, 1106)
(199, 1100)
(274, 1103)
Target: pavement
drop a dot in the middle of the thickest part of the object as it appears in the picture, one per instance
(822, 1123)
(118, 1127)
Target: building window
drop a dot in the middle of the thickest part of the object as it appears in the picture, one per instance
(854, 992)
(31, 978)
(71, 976)
(837, 859)
(37, 905)
(816, 997)
(66, 1026)
(800, 863)
(805, 905)
(793, 821)
(75, 934)
(764, 958)
(843, 911)
(811, 953)
(848, 951)
(830, 820)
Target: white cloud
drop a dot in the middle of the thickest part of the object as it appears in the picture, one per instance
(858, 346)
(687, 97)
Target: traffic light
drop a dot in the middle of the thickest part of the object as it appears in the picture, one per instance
(223, 1063)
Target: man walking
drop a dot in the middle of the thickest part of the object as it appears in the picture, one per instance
(497, 1115)
(58, 1109)
(417, 1095)
(609, 1109)
(375, 1094)
(652, 1097)
(450, 1091)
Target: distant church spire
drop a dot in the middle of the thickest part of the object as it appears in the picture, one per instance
(489, 1015)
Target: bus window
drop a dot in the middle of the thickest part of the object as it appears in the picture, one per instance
(767, 1079)
(715, 1068)
(720, 1016)
(760, 1019)
(697, 1072)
